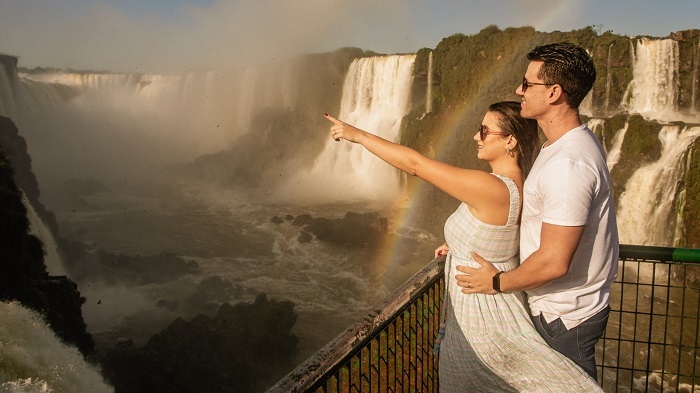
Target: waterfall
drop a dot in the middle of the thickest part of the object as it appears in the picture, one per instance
(649, 198)
(38, 228)
(695, 80)
(35, 360)
(608, 80)
(613, 155)
(586, 106)
(376, 97)
(198, 109)
(598, 128)
(8, 102)
(654, 88)
(202, 111)
(429, 90)
(125, 128)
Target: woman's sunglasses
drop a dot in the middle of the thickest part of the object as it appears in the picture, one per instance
(484, 132)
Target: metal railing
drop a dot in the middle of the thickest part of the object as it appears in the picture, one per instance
(651, 341)
(650, 344)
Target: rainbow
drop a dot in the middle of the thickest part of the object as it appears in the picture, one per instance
(450, 126)
(558, 12)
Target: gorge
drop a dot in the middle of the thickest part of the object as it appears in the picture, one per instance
(169, 197)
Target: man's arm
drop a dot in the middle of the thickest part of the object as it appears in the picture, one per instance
(551, 261)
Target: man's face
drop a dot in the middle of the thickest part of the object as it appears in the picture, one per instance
(534, 98)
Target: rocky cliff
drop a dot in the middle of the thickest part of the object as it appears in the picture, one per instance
(24, 276)
(470, 72)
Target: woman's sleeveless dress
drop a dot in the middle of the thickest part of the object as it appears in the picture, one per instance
(490, 343)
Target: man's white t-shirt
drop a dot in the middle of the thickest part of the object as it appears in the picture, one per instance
(569, 185)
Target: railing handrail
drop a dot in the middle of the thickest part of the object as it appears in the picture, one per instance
(668, 254)
(336, 351)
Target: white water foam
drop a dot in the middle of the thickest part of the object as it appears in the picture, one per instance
(33, 359)
(645, 205)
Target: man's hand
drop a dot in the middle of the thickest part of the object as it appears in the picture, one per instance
(477, 280)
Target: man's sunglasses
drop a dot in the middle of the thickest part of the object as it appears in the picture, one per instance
(484, 132)
(527, 84)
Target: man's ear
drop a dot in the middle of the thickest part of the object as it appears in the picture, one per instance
(556, 93)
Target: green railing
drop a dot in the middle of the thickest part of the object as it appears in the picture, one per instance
(650, 344)
(651, 341)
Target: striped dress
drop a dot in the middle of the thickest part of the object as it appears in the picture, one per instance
(490, 343)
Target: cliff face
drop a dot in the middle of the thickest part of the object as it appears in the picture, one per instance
(24, 276)
(470, 72)
(9, 63)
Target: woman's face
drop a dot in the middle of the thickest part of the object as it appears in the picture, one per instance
(493, 144)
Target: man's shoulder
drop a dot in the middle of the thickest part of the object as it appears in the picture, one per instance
(581, 142)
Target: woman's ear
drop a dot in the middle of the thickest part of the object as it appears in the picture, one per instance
(512, 142)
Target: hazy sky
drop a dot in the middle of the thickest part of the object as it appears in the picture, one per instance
(173, 35)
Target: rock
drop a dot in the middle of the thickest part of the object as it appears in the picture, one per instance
(354, 230)
(276, 220)
(304, 237)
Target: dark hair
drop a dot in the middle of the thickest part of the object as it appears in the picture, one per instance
(524, 130)
(567, 65)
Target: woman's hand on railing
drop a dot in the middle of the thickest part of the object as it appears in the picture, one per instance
(442, 250)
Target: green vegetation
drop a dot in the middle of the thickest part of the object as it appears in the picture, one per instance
(471, 72)
(612, 126)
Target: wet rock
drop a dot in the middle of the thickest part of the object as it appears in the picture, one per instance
(353, 230)
(304, 237)
(276, 220)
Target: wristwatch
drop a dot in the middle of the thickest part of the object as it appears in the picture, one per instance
(497, 282)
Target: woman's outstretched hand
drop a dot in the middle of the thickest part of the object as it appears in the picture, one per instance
(340, 130)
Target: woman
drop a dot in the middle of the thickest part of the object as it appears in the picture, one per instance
(489, 344)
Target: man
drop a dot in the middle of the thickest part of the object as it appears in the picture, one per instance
(568, 237)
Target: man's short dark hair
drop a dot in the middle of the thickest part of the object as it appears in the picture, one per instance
(567, 65)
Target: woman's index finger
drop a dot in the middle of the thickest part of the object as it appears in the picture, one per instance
(333, 119)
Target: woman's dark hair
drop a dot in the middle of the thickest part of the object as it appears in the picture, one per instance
(568, 66)
(524, 130)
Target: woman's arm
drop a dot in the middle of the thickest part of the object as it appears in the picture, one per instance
(476, 188)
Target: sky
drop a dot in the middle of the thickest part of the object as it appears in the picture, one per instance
(172, 36)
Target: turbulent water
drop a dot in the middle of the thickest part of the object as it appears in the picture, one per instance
(235, 240)
(648, 200)
(33, 359)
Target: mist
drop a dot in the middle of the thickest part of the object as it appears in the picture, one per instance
(127, 129)
(96, 36)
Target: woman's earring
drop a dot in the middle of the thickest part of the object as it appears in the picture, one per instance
(510, 152)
